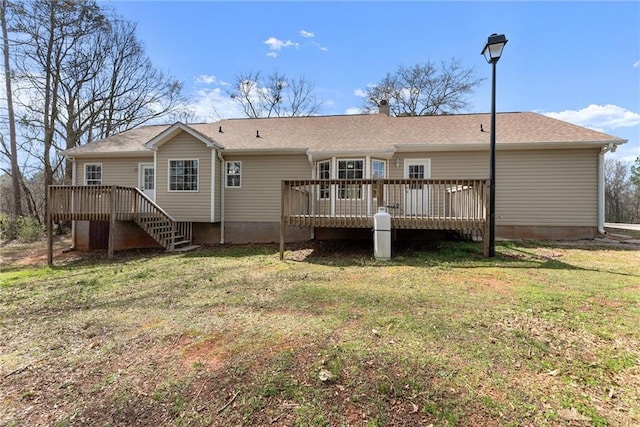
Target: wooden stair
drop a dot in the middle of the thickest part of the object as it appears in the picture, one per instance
(161, 226)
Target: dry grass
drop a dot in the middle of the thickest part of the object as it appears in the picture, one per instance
(541, 335)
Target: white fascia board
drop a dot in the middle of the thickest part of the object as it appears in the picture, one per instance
(377, 153)
(484, 146)
(110, 154)
(264, 151)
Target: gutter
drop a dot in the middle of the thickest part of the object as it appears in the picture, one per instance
(605, 149)
(482, 146)
(222, 185)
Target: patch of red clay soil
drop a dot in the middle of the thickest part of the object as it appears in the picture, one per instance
(207, 353)
(35, 254)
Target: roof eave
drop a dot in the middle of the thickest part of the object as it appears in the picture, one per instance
(482, 146)
(270, 151)
(385, 153)
(110, 154)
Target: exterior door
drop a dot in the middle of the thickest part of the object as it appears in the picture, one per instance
(416, 198)
(98, 234)
(148, 180)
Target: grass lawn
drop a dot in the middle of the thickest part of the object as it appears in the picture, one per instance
(225, 336)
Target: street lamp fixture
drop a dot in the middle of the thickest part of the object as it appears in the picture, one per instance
(492, 51)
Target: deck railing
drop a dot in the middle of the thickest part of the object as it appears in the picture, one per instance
(412, 203)
(115, 203)
(459, 205)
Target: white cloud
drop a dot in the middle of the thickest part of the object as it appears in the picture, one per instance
(636, 64)
(272, 54)
(209, 105)
(599, 117)
(209, 79)
(277, 44)
(353, 110)
(319, 46)
(307, 34)
(360, 93)
(205, 78)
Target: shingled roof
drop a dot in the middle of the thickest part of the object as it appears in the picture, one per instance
(363, 133)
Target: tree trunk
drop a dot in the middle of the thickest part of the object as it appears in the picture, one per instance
(15, 168)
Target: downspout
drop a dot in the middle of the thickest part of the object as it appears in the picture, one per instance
(310, 157)
(74, 179)
(605, 149)
(222, 185)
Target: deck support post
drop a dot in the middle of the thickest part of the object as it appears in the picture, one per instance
(112, 221)
(283, 192)
(49, 228)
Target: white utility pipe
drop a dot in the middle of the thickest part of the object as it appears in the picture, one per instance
(222, 185)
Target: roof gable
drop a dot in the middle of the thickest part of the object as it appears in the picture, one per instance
(174, 130)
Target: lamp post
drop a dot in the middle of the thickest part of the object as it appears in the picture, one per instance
(492, 52)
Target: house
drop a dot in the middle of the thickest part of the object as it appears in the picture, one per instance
(255, 180)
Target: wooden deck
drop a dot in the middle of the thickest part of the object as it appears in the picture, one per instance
(426, 204)
(114, 203)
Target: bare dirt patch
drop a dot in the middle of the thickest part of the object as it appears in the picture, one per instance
(16, 254)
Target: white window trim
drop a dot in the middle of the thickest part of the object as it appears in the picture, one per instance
(141, 177)
(328, 161)
(384, 162)
(364, 167)
(226, 174)
(386, 172)
(101, 173)
(427, 172)
(169, 190)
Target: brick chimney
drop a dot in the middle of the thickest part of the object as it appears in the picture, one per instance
(384, 108)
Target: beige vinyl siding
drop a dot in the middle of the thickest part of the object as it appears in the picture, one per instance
(187, 205)
(544, 188)
(115, 171)
(258, 200)
(534, 187)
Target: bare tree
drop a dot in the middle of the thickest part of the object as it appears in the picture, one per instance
(82, 75)
(424, 89)
(635, 173)
(13, 144)
(622, 195)
(49, 32)
(112, 87)
(274, 96)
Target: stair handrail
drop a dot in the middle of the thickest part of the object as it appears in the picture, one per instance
(170, 243)
(153, 203)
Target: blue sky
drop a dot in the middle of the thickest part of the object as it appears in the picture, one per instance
(577, 61)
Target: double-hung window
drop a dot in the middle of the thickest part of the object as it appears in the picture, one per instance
(183, 175)
(233, 172)
(324, 172)
(377, 172)
(93, 174)
(350, 169)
